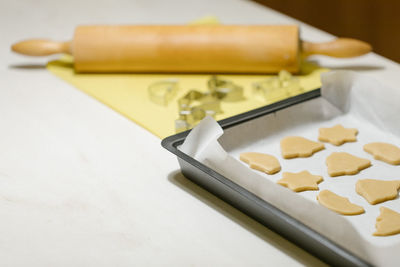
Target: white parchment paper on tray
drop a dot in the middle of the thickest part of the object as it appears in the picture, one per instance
(350, 99)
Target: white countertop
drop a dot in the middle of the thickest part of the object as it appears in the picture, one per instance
(81, 185)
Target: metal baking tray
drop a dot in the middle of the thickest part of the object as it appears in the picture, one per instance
(260, 210)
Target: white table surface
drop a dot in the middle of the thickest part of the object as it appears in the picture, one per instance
(80, 185)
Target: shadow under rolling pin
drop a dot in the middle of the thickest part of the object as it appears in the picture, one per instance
(190, 48)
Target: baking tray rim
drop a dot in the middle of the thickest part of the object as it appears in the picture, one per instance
(172, 142)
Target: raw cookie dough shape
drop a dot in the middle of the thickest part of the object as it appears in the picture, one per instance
(342, 163)
(261, 162)
(337, 135)
(387, 223)
(377, 191)
(339, 204)
(300, 181)
(296, 146)
(385, 152)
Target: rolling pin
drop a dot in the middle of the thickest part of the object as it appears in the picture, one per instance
(190, 48)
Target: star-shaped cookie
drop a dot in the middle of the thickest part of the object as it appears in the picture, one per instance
(387, 223)
(300, 181)
(337, 135)
(342, 163)
(338, 204)
(261, 162)
(296, 146)
(377, 191)
(383, 151)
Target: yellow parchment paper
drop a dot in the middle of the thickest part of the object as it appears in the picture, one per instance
(128, 93)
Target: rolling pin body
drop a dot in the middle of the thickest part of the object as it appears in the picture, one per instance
(248, 49)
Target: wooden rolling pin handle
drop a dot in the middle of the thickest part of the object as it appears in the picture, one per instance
(340, 47)
(40, 47)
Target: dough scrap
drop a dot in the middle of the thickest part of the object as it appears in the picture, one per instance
(337, 135)
(261, 162)
(342, 163)
(296, 146)
(377, 191)
(387, 223)
(385, 152)
(300, 181)
(339, 204)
